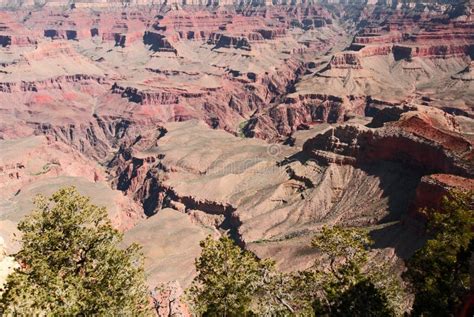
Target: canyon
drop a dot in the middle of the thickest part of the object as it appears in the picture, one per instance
(265, 119)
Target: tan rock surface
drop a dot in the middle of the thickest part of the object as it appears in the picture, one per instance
(170, 242)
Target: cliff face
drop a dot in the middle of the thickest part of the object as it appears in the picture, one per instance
(397, 56)
(76, 56)
(261, 83)
(421, 138)
(297, 112)
(414, 55)
(433, 187)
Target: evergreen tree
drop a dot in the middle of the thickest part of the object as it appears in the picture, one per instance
(70, 263)
(234, 282)
(439, 271)
(362, 299)
(231, 281)
(348, 285)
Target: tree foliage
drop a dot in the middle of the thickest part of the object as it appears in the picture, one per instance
(346, 280)
(234, 282)
(71, 263)
(348, 285)
(439, 271)
(362, 299)
(231, 281)
(346, 251)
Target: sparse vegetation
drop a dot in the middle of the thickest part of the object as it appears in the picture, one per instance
(242, 126)
(46, 168)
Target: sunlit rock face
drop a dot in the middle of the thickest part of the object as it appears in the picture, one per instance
(262, 119)
(7, 265)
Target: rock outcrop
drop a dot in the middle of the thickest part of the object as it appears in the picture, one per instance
(362, 146)
(421, 138)
(433, 187)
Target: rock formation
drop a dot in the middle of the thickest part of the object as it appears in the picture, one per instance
(422, 138)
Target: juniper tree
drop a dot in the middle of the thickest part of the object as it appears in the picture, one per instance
(439, 271)
(232, 281)
(347, 284)
(71, 263)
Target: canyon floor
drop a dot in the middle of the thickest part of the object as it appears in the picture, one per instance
(262, 121)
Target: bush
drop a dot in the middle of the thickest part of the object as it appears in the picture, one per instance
(231, 281)
(70, 263)
(439, 271)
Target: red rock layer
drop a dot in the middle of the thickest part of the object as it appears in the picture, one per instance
(422, 139)
(416, 141)
(433, 187)
(410, 35)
